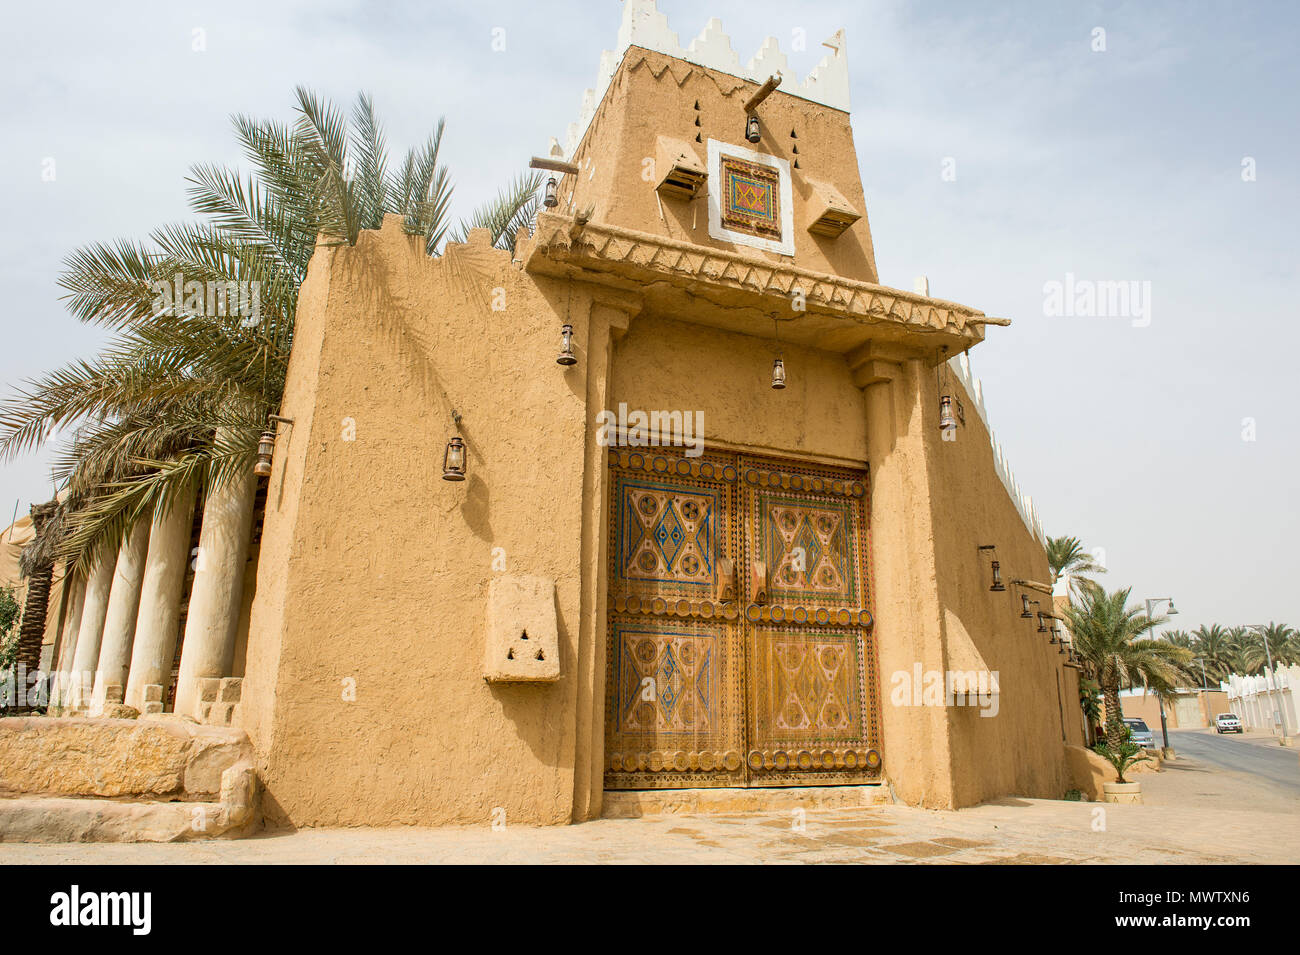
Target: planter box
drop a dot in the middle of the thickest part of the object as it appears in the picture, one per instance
(1122, 793)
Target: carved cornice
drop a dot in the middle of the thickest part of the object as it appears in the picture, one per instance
(562, 245)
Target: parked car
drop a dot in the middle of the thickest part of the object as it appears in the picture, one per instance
(1139, 732)
(1227, 723)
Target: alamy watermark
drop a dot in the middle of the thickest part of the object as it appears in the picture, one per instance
(919, 687)
(1088, 298)
(214, 299)
(651, 429)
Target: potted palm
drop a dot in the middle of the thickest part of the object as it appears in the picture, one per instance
(1126, 754)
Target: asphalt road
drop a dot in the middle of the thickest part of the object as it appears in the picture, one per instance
(1263, 759)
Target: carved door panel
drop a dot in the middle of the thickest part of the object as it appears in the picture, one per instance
(738, 637)
(811, 712)
(674, 710)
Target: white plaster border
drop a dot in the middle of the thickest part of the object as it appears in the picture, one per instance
(720, 232)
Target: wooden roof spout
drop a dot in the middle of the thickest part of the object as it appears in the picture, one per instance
(762, 93)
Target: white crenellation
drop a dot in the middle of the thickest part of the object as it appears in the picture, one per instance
(644, 26)
(768, 61)
(961, 370)
(714, 46)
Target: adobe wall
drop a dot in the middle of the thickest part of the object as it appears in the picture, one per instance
(374, 571)
(363, 689)
(1020, 750)
(653, 95)
(671, 365)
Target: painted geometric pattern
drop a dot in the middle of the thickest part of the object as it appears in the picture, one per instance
(810, 547)
(752, 194)
(809, 691)
(668, 535)
(667, 681)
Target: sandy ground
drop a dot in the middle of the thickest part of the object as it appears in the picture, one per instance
(1196, 811)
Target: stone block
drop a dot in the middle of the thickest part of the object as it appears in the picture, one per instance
(153, 693)
(153, 706)
(113, 693)
(157, 758)
(230, 690)
(209, 688)
(120, 711)
(522, 644)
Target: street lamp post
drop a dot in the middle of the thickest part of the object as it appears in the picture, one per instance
(1205, 690)
(1268, 658)
(1166, 751)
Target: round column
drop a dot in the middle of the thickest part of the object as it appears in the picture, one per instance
(68, 643)
(160, 600)
(213, 617)
(119, 619)
(94, 608)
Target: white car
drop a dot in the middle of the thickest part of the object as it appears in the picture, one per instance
(1227, 723)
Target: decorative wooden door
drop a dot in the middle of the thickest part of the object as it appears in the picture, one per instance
(811, 713)
(738, 644)
(674, 693)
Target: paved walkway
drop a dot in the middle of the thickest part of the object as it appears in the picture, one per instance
(1194, 813)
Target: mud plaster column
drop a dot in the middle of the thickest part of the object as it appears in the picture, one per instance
(210, 625)
(71, 627)
(119, 618)
(95, 607)
(908, 612)
(609, 319)
(160, 599)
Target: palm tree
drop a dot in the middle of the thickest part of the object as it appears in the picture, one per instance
(1240, 640)
(1108, 635)
(1180, 638)
(1067, 558)
(181, 393)
(1215, 647)
(1282, 646)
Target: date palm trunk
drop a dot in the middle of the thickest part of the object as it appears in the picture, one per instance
(1114, 728)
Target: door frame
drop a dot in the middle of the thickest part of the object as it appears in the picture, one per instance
(744, 471)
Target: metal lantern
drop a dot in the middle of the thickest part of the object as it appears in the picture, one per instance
(1025, 613)
(453, 460)
(552, 200)
(778, 374)
(265, 448)
(751, 128)
(566, 356)
(998, 586)
(1042, 628)
(947, 421)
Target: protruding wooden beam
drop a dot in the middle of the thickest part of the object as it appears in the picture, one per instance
(763, 93)
(554, 165)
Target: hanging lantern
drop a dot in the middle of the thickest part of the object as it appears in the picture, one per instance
(1024, 607)
(552, 200)
(751, 128)
(265, 448)
(998, 586)
(566, 356)
(778, 374)
(947, 421)
(453, 460)
(1042, 628)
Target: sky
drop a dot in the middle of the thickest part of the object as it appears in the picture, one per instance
(1003, 148)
